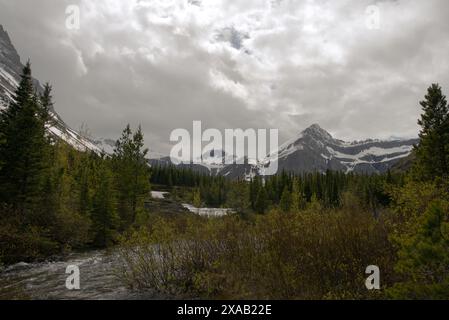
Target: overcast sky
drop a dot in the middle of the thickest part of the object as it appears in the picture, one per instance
(282, 64)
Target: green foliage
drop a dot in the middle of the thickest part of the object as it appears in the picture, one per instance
(20, 241)
(432, 153)
(422, 206)
(286, 200)
(276, 256)
(238, 197)
(197, 198)
(23, 151)
(46, 103)
(297, 197)
(261, 204)
(420, 236)
(54, 198)
(104, 213)
(132, 175)
(69, 225)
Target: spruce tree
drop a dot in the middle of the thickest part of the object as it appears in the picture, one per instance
(23, 151)
(255, 187)
(432, 153)
(132, 174)
(104, 215)
(285, 203)
(261, 201)
(296, 197)
(424, 256)
(46, 101)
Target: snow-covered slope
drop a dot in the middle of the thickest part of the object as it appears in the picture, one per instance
(10, 70)
(316, 150)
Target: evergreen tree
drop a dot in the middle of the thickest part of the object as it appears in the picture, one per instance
(255, 187)
(296, 197)
(104, 215)
(261, 201)
(46, 101)
(132, 174)
(285, 203)
(315, 204)
(238, 196)
(432, 153)
(23, 151)
(424, 256)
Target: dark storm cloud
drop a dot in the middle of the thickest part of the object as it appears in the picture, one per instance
(162, 64)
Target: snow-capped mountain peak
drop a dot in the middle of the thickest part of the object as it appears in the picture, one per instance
(317, 132)
(316, 150)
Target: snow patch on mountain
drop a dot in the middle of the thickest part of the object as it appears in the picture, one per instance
(73, 138)
(8, 77)
(314, 149)
(372, 151)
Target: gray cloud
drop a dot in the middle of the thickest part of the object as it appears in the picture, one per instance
(248, 64)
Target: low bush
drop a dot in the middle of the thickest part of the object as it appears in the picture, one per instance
(307, 255)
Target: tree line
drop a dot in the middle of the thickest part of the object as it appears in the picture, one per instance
(287, 191)
(54, 198)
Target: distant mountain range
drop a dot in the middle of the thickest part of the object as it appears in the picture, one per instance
(314, 149)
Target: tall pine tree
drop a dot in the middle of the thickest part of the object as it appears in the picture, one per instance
(432, 153)
(23, 152)
(286, 200)
(104, 214)
(132, 174)
(296, 196)
(261, 204)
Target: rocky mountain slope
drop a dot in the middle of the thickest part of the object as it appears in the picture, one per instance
(10, 69)
(315, 149)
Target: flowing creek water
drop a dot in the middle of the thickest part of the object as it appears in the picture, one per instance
(99, 272)
(47, 280)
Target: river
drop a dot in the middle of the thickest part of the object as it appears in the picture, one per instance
(46, 280)
(98, 273)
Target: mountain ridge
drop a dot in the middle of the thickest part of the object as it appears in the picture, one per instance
(315, 149)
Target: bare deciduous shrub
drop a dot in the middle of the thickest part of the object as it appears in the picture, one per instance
(307, 255)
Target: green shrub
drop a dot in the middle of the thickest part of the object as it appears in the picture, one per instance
(275, 256)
